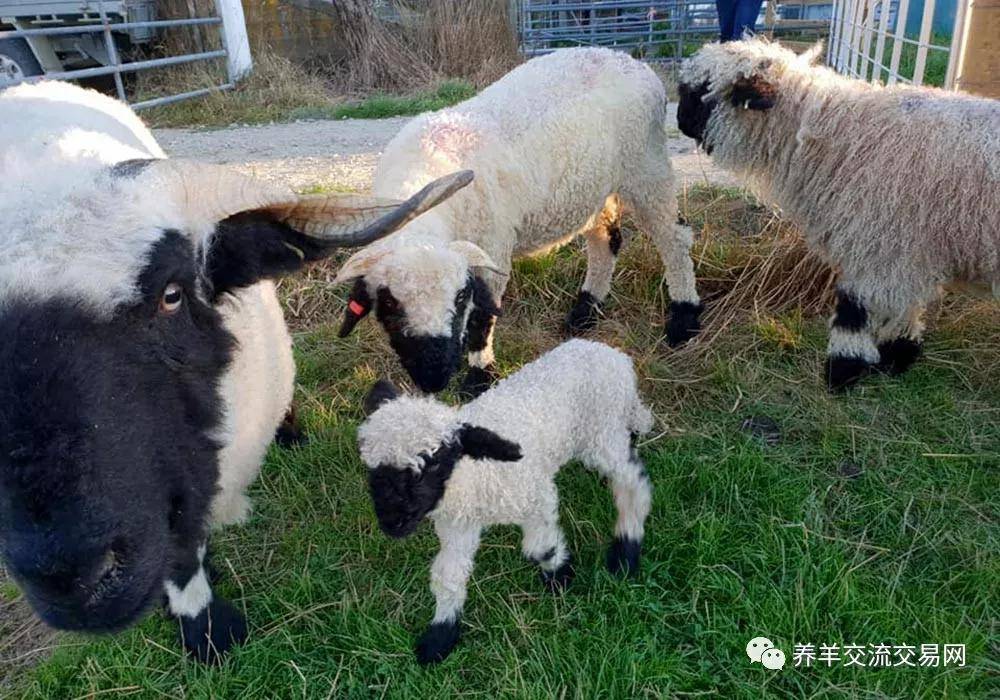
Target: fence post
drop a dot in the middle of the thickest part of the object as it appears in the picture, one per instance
(978, 68)
(234, 35)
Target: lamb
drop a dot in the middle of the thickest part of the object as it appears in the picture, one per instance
(561, 146)
(145, 365)
(494, 460)
(897, 186)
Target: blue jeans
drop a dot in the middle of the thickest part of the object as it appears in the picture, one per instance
(736, 16)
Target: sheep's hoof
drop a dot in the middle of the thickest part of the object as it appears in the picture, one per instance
(290, 433)
(844, 372)
(437, 642)
(897, 356)
(477, 381)
(211, 634)
(558, 581)
(623, 556)
(583, 316)
(684, 322)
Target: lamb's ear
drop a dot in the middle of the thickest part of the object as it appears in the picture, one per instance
(359, 305)
(476, 256)
(753, 92)
(380, 393)
(482, 297)
(483, 443)
(813, 54)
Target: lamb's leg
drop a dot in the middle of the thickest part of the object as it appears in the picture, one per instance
(851, 351)
(655, 210)
(900, 341)
(604, 241)
(544, 544)
(209, 625)
(633, 499)
(290, 433)
(449, 577)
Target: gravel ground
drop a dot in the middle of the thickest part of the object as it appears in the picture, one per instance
(343, 152)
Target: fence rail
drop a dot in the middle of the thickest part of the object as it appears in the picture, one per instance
(862, 32)
(656, 30)
(117, 67)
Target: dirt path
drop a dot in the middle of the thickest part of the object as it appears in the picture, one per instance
(343, 153)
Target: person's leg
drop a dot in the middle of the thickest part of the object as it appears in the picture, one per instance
(727, 18)
(745, 17)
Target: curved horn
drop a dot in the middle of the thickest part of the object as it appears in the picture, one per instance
(206, 194)
(352, 221)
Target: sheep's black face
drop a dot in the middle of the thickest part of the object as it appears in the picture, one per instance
(107, 467)
(430, 360)
(403, 497)
(693, 112)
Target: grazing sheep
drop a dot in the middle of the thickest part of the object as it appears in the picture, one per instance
(561, 146)
(897, 186)
(494, 460)
(145, 365)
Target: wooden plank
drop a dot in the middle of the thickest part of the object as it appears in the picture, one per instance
(979, 66)
(925, 38)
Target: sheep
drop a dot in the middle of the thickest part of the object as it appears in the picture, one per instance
(897, 186)
(145, 365)
(561, 147)
(493, 461)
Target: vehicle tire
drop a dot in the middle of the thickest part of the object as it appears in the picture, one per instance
(16, 62)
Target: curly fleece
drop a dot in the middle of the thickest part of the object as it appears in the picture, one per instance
(578, 402)
(897, 186)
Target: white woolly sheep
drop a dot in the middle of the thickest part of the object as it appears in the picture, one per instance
(561, 146)
(897, 186)
(494, 460)
(145, 365)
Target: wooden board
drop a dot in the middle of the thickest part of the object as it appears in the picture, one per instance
(980, 68)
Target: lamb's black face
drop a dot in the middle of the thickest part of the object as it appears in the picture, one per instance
(106, 464)
(402, 497)
(693, 113)
(430, 360)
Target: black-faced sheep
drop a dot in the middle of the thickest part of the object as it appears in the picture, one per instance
(494, 460)
(897, 186)
(144, 362)
(561, 146)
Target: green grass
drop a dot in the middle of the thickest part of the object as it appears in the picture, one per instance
(743, 540)
(935, 67)
(444, 95)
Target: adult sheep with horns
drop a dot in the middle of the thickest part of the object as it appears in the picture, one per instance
(145, 365)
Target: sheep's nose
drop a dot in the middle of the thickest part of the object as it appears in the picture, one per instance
(59, 574)
(431, 362)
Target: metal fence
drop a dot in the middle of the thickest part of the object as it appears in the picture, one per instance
(116, 67)
(869, 41)
(655, 30)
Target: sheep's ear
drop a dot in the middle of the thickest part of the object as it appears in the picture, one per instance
(382, 392)
(359, 305)
(753, 93)
(476, 256)
(359, 264)
(482, 297)
(483, 443)
(813, 54)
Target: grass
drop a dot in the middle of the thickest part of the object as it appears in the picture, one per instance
(278, 91)
(787, 541)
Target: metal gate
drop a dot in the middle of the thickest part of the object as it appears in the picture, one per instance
(92, 18)
(654, 30)
(869, 40)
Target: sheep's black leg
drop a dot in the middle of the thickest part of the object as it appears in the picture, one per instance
(209, 625)
(633, 499)
(438, 641)
(683, 322)
(898, 355)
(449, 580)
(482, 372)
(290, 433)
(851, 351)
(604, 242)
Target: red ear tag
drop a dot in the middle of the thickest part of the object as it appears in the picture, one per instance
(355, 308)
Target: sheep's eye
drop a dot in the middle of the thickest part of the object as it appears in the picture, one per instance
(172, 297)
